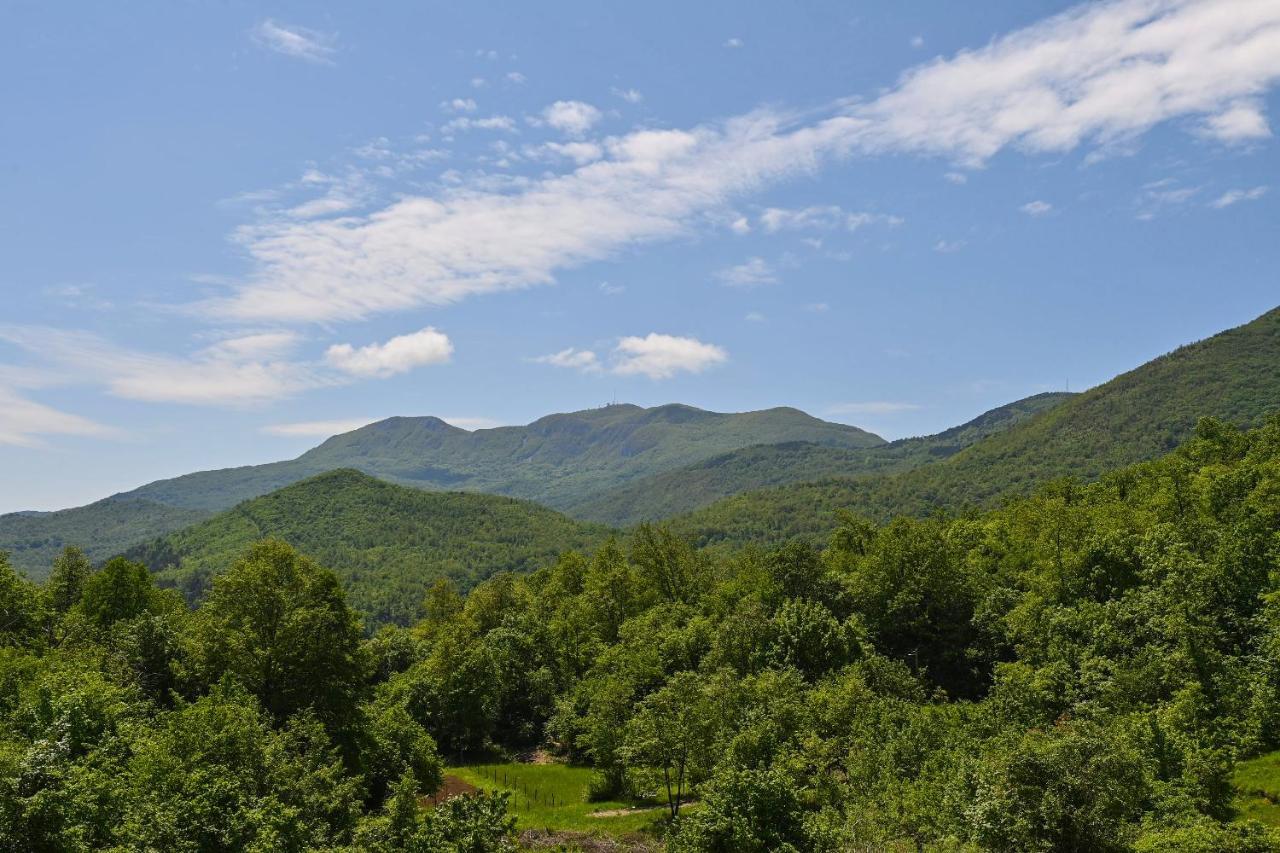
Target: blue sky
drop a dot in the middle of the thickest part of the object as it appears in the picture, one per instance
(230, 229)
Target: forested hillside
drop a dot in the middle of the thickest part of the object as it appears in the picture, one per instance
(386, 543)
(685, 489)
(1082, 669)
(557, 460)
(1234, 375)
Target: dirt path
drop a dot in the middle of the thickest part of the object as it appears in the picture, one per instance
(450, 788)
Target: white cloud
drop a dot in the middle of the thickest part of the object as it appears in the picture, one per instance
(478, 82)
(295, 42)
(579, 152)
(23, 422)
(663, 356)
(459, 105)
(872, 407)
(822, 217)
(1162, 195)
(917, 42)
(1100, 73)
(817, 307)
(499, 122)
(750, 273)
(609, 289)
(655, 355)
(1036, 208)
(631, 96)
(734, 42)
(1243, 122)
(577, 359)
(1096, 72)
(236, 371)
(398, 355)
(754, 317)
(740, 225)
(948, 246)
(516, 77)
(316, 429)
(1231, 197)
(957, 178)
(572, 117)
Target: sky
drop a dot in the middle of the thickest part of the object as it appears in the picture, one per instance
(231, 229)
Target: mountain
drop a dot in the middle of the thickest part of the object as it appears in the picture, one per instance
(387, 543)
(558, 460)
(1234, 375)
(103, 528)
(685, 489)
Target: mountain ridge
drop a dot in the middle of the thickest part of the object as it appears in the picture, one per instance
(1138, 415)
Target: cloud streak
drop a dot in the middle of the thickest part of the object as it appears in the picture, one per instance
(1098, 74)
(655, 355)
(295, 42)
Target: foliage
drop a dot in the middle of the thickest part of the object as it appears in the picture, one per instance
(559, 460)
(1138, 415)
(1093, 666)
(387, 543)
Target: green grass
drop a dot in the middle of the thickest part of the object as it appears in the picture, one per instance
(535, 787)
(1257, 784)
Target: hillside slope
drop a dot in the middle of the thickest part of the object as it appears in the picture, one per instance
(685, 489)
(388, 543)
(102, 529)
(557, 460)
(1234, 375)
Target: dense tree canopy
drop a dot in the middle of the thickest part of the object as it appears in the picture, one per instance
(1078, 670)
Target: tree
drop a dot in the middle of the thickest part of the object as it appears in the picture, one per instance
(119, 590)
(745, 811)
(279, 624)
(71, 570)
(672, 734)
(21, 610)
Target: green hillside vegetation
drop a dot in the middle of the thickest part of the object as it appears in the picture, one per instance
(103, 529)
(685, 489)
(1234, 375)
(1092, 667)
(557, 460)
(387, 543)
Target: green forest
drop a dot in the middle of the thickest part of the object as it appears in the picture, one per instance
(1091, 667)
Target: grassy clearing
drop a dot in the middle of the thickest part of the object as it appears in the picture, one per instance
(1257, 784)
(554, 796)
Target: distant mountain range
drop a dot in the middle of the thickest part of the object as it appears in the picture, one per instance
(559, 460)
(1139, 415)
(755, 477)
(684, 489)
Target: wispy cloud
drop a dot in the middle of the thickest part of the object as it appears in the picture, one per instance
(821, 217)
(872, 407)
(1231, 197)
(316, 429)
(398, 355)
(655, 355)
(1098, 74)
(505, 124)
(631, 96)
(244, 370)
(1036, 208)
(296, 42)
(24, 422)
(752, 272)
(734, 42)
(577, 359)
